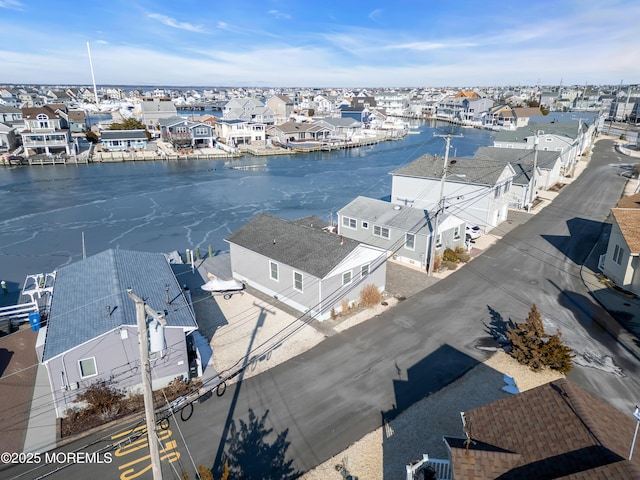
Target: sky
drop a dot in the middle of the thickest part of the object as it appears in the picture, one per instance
(299, 43)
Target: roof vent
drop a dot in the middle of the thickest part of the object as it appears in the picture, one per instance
(452, 162)
(397, 207)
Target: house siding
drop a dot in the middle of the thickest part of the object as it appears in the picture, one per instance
(625, 274)
(254, 269)
(318, 295)
(117, 360)
(423, 193)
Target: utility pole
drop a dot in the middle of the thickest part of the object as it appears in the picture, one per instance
(440, 209)
(149, 412)
(533, 172)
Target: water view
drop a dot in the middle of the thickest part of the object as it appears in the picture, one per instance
(164, 206)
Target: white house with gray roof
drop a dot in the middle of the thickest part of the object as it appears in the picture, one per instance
(547, 172)
(404, 232)
(570, 139)
(475, 190)
(92, 334)
(156, 108)
(302, 265)
(119, 140)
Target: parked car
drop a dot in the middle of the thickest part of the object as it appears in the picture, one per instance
(472, 232)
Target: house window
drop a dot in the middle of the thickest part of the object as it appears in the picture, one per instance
(346, 278)
(364, 270)
(88, 367)
(365, 225)
(617, 254)
(273, 271)
(349, 223)
(202, 131)
(456, 233)
(496, 192)
(379, 231)
(439, 240)
(297, 281)
(410, 241)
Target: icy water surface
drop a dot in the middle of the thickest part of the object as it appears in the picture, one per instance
(164, 206)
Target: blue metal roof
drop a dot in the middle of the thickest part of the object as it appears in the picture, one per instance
(90, 297)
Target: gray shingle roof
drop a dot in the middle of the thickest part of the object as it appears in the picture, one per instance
(562, 129)
(387, 214)
(302, 247)
(83, 291)
(123, 135)
(475, 170)
(520, 160)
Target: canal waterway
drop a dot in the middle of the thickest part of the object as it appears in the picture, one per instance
(160, 206)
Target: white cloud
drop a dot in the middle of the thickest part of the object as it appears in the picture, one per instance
(102, 42)
(375, 14)
(11, 4)
(424, 46)
(172, 22)
(279, 14)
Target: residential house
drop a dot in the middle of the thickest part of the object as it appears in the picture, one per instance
(10, 115)
(237, 133)
(300, 131)
(182, 132)
(46, 130)
(621, 262)
(282, 108)
(8, 138)
(156, 108)
(474, 190)
(119, 140)
(510, 118)
(404, 232)
(302, 265)
(393, 102)
(77, 121)
(464, 107)
(345, 129)
(7, 98)
(358, 113)
(248, 109)
(92, 332)
(525, 186)
(557, 430)
(571, 139)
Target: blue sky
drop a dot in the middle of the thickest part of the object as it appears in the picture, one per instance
(321, 43)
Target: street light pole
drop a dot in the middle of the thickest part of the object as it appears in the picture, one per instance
(149, 413)
(440, 208)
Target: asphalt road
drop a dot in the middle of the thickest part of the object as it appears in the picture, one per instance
(315, 405)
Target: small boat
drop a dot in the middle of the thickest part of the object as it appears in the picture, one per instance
(226, 288)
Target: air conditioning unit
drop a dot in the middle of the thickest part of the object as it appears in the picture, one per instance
(74, 386)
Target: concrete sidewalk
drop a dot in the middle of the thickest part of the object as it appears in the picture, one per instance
(41, 434)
